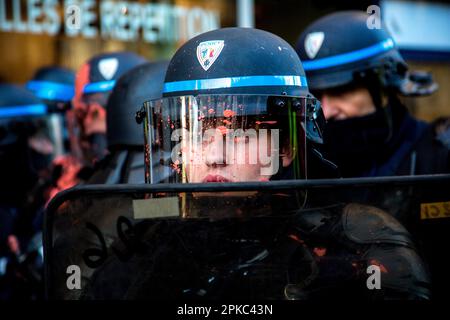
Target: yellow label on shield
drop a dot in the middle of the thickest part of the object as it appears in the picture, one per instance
(435, 210)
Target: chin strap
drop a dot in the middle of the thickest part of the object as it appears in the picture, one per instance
(319, 167)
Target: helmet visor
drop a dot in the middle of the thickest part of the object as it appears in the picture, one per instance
(226, 138)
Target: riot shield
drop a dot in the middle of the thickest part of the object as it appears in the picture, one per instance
(300, 239)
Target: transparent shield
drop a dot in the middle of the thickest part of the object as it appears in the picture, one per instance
(129, 242)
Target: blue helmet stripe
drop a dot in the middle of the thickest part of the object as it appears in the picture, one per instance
(352, 56)
(101, 86)
(24, 110)
(51, 90)
(234, 82)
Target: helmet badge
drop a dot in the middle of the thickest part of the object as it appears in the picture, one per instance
(208, 52)
(313, 42)
(108, 67)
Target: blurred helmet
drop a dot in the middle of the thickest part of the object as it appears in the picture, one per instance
(340, 49)
(54, 85)
(26, 141)
(142, 83)
(93, 85)
(235, 108)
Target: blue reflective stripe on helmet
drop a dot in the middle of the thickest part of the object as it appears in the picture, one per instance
(353, 56)
(234, 82)
(24, 110)
(100, 86)
(51, 90)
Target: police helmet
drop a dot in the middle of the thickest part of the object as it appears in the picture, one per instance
(54, 85)
(142, 83)
(240, 85)
(100, 73)
(341, 49)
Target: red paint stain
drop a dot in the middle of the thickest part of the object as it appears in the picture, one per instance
(377, 263)
(296, 238)
(228, 113)
(320, 252)
(223, 130)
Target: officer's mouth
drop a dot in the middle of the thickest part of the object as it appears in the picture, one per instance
(215, 178)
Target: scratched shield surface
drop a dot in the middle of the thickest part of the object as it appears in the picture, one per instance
(140, 244)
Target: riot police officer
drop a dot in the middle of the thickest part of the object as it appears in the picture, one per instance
(125, 161)
(358, 74)
(26, 151)
(236, 108)
(93, 85)
(87, 122)
(55, 87)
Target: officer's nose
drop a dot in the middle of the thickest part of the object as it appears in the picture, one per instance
(329, 110)
(215, 151)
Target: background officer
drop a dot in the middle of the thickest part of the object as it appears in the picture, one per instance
(358, 73)
(125, 161)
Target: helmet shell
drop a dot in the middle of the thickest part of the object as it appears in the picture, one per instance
(235, 61)
(18, 102)
(142, 83)
(53, 83)
(339, 47)
(106, 68)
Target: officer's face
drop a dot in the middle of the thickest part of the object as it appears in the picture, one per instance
(349, 104)
(90, 115)
(208, 162)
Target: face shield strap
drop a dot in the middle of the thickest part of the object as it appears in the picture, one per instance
(294, 143)
(293, 170)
